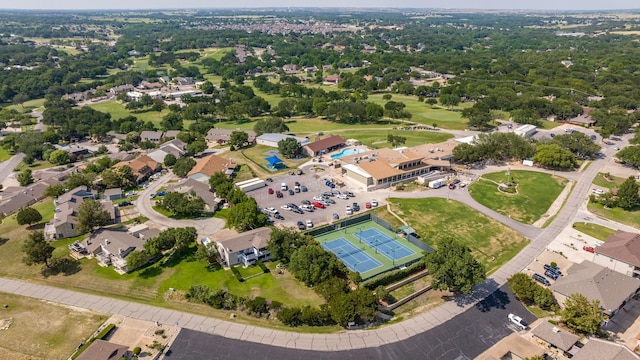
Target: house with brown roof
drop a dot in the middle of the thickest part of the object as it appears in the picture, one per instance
(222, 136)
(621, 253)
(143, 166)
(556, 337)
(332, 79)
(596, 282)
(245, 248)
(323, 146)
(209, 165)
(103, 350)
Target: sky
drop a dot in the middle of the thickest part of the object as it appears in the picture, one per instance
(450, 4)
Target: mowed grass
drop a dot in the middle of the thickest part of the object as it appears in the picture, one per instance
(43, 330)
(536, 192)
(378, 138)
(629, 217)
(608, 181)
(118, 111)
(425, 114)
(4, 154)
(594, 230)
(439, 220)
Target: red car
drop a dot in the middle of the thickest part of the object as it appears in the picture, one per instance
(452, 186)
(270, 191)
(367, 205)
(318, 204)
(589, 249)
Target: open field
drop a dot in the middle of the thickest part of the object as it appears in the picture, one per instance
(31, 104)
(628, 217)
(118, 111)
(424, 114)
(608, 182)
(4, 154)
(41, 330)
(440, 220)
(535, 193)
(594, 230)
(378, 138)
(302, 126)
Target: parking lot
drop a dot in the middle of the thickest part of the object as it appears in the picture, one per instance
(315, 183)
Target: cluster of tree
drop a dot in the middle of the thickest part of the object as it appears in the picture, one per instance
(244, 213)
(452, 267)
(396, 140)
(187, 204)
(531, 293)
(627, 196)
(182, 166)
(223, 299)
(290, 148)
(270, 125)
(91, 215)
(582, 315)
(145, 103)
(630, 155)
(178, 240)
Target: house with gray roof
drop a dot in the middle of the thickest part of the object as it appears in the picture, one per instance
(111, 247)
(556, 337)
(272, 139)
(222, 136)
(621, 253)
(596, 282)
(175, 147)
(596, 349)
(153, 136)
(245, 248)
(103, 350)
(201, 189)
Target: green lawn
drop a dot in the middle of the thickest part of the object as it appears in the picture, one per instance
(536, 192)
(37, 165)
(594, 230)
(608, 181)
(4, 154)
(628, 217)
(118, 111)
(302, 126)
(425, 114)
(378, 138)
(440, 220)
(548, 125)
(31, 104)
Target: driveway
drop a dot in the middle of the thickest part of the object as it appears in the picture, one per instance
(144, 204)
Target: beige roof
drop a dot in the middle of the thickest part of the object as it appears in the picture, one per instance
(379, 169)
(211, 164)
(224, 135)
(103, 350)
(113, 240)
(594, 281)
(256, 238)
(623, 246)
(597, 349)
(560, 338)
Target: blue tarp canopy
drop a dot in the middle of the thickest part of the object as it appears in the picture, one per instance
(274, 160)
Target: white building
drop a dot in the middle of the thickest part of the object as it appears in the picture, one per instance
(272, 139)
(526, 130)
(245, 248)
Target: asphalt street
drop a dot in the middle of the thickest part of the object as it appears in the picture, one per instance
(6, 167)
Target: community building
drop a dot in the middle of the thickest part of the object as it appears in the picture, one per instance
(272, 139)
(621, 253)
(326, 145)
(209, 165)
(222, 136)
(245, 248)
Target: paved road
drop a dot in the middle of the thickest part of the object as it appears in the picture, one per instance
(144, 204)
(6, 167)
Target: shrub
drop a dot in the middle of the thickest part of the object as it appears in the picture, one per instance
(392, 276)
(262, 266)
(553, 263)
(137, 350)
(237, 274)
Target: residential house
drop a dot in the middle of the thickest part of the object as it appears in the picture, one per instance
(201, 189)
(326, 145)
(596, 349)
(143, 166)
(332, 79)
(175, 147)
(184, 80)
(245, 248)
(134, 95)
(143, 231)
(145, 85)
(596, 282)
(113, 194)
(272, 139)
(290, 69)
(209, 165)
(556, 337)
(103, 350)
(121, 89)
(111, 247)
(621, 253)
(153, 136)
(170, 134)
(222, 136)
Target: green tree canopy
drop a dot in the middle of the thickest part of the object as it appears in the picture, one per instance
(29, 216)
(630, 155)
(270, 125)
(554, 156)
(238, 139)
(581, 314)
(283, 242)
(92, 215)
(245, 216)
(628, 193)
(289, 147)
(183, 166)
(452, 267)
(59, 157)
(37, 249)
(312, 265)
(25, 177)
(169, 160)
(578, 143)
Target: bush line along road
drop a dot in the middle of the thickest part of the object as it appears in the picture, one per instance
(351, 339)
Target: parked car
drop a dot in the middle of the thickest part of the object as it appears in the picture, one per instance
(308, 208)
(296, 183)
(553, 269)
(271, 210)
(367, 205)
(269, 179)
(550, 274)
(348, 210)
(517, 320)
(343, 196)
(327, 194)
(306, 202)
(456, 181)
(318, 198)
(303, 188)
(318, 205)
(284, 187)
(300, 225)
(589, 249)
(541, 279)
(297, 211)
(297, 189)
(278, 216)
(309, 223)
(153, 195)
(374, 202)
(355, 206)
(285, 207)
(336, 216)
(270, 191)
(125, 203)
(330, 201)
(161, 193)
(291, 192)
(452, 186)
(349, 194)
(598, 191)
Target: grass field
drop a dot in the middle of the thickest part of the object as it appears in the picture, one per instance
(594, 230)
(4, 154)
(31, 104)
(378, 138)
(348, 234)
(310, 126)
(41, 330)
(629, 217)
(118, 111)
(425, 114)
(536, 192)
(439, 220)
(608, 182)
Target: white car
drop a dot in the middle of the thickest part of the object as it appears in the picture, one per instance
(309, 224)
(343, 196)
(318, 198)
(598, 191)
(374, 202)
(285, 207)
(271, 210)
(348, 210)
(517, 320)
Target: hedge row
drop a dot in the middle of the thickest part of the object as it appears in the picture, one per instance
(262, 266)
(237, 274)
(101, 335)
(393, 276)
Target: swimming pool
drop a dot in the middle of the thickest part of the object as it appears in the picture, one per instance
(347, 152)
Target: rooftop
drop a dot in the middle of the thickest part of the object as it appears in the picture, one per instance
(329, 141)
(560, 338)
(211, 164)
(256, 238)
(596, 349)
(622, 246)
(103, 350)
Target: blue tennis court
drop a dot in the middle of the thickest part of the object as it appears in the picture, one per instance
(385, 244)
(355, 259)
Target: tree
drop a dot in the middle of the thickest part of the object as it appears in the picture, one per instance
(169, 160)
(289, 147)
(578, 143)
(479, 115)
(530, 292)
(245, 216)
(582, 315)
(136, 259)
(630, 155)
(207, 253)
(628, 193)
(466, 153)
(29, 216)
(270, 125)
(360, 305)
(91, 215)
(59, 157)
(238, 139)
(283, 242)
(290, 316)
(312, 265)
(554, 156)
(24, 177)
(37, 249)
(396, 140)
(449, 100)
(196, 147)
(183, 166)
(217, 179)
(453, 267)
